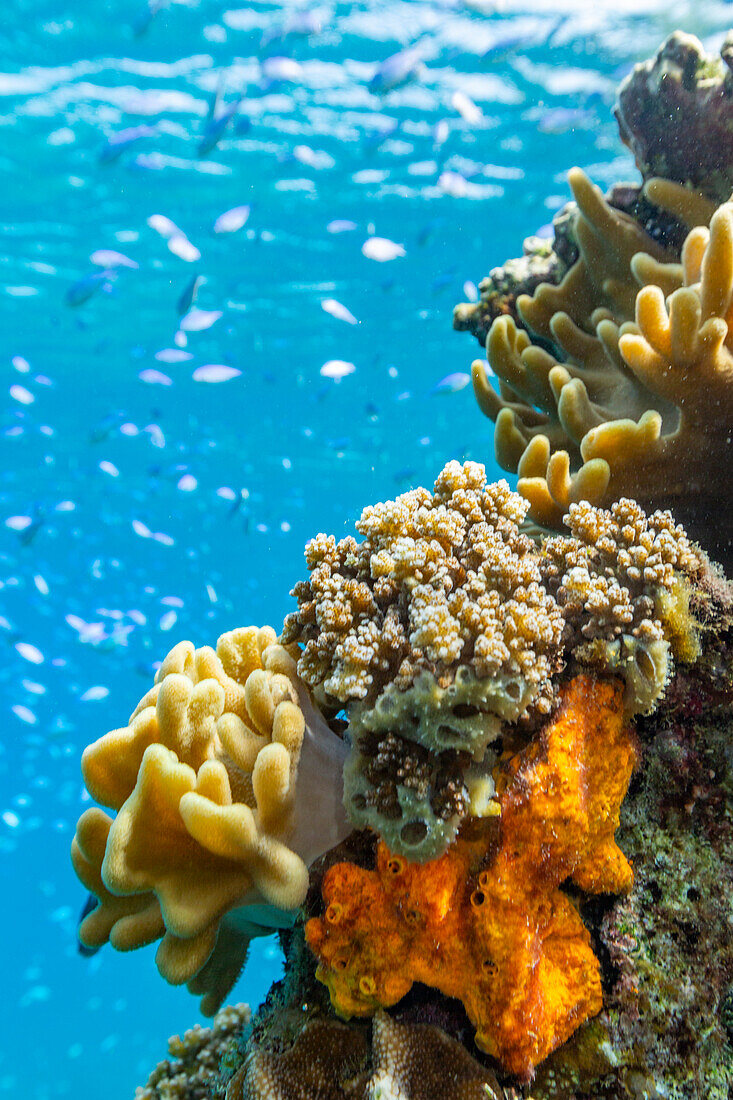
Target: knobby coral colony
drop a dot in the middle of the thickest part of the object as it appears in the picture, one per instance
(615, 370)
(489, 684)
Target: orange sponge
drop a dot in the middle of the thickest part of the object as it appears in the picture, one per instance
(487, 922)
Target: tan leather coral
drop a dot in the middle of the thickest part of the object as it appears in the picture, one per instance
(205, 779)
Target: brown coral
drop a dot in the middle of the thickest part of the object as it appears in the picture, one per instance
(486, 921)
(330, 1061)
(205, 782)
(434, 629)
(318, 1066)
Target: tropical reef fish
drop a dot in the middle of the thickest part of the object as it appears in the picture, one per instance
(466, 108)
(83, 289)
(123, 140)
(109, 258)
(382, 249)
(339, 311)
(337, 369)
(215, 372)
(216, 126)
(145, 17)
(88, 907)
(280, 68)
(452, 383)
(199, 320)
(396, 70)
(232, 220)
(178, 242)
(188, 297)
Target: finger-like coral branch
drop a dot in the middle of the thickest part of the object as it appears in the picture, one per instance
(639, 408)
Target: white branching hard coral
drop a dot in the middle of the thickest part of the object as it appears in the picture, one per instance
(443, 590)
(433, 631)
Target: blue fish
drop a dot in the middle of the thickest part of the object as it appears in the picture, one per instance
(373, 140)
(88, 907)
(106, 426)
(398, 69)
(125, 139)
(300, 24)
(215, 127)
(83, 289)
(145, 17)
(188, 297)
(27, 535)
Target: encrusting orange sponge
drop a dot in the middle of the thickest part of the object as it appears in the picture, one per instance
(487, 922)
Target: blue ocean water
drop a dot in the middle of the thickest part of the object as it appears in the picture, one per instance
(145, 498)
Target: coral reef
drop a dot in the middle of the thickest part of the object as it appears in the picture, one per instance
(191, 1070)
(320, 1065)
(496, 694)
(547, 261)
(434, 630)
(681, 82)
(214, 778)
(486, 922)
(667, 946)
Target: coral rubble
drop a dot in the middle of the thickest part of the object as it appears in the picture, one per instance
(212, 780)
(486, 922)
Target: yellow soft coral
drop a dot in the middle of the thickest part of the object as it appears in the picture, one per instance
(205, 782)
(636, 398)
(487, 922)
